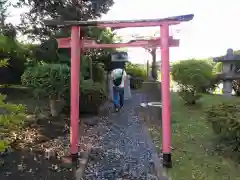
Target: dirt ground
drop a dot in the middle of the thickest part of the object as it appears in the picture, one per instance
(40, 150)
(37, 152)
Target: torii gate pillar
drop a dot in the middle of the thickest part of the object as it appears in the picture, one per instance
(166, 113)
(74, 89)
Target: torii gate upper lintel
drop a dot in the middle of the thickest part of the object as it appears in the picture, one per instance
(66, 43)
(76, 43)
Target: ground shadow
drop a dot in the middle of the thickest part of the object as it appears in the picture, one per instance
(37, 150)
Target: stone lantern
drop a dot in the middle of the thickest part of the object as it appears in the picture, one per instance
(230, 70)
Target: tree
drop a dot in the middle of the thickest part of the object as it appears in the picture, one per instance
(192, 75)
(4, 4)
(32, 21)
(33, 26)
(10, 48)
(6, 29)
(48, 51)
(153, 52)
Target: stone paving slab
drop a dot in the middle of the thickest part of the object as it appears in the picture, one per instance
(123, 152)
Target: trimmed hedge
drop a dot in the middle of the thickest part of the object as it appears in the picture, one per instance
(47, 80)
(12, 117)
(193, 77)
(225, 122)
(92, 96)
(138, 75)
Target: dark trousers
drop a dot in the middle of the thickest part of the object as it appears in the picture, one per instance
(118, 96)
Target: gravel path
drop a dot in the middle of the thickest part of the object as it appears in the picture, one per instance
(122, 152)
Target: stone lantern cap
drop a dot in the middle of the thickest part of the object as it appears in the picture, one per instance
(119, 56)
(229, 57)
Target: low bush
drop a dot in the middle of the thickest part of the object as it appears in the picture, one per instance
(92, 96)
(138, 75)
(12, 117)
(225, 122)
(98, 72)
(136, 71)
(50, 81)
(47, 80)
(190, 96)
(16, 54)
(192, 76)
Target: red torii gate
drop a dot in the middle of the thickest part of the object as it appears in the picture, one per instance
(76, 43)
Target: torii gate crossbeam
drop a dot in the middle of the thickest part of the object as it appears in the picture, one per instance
(76, 44)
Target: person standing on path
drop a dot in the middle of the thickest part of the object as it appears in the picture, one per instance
(119, 77)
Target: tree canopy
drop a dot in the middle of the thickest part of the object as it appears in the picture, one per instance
(32, 21)
(46, 50)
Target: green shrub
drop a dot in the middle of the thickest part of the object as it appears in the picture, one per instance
(16, 54)
(92, 95)
(192, 76)
(189, 96)
(225, 122)
(12, 117)
(98, 72)
(136, 71)
(218, 67)
(138, 75)
(47, 80)
(84, 67)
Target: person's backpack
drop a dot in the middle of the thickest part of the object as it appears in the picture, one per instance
(117, 81)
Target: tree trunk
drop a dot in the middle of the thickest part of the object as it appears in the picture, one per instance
(154, 65)
(148, 68)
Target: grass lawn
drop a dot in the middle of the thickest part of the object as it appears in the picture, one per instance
(194, 157)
